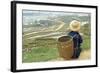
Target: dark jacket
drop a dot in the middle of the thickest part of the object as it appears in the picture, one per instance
(77, 39)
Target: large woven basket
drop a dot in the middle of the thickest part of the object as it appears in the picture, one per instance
(65, 47)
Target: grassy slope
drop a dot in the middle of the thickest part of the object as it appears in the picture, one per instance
(45, 50)
(86, 43)
(40, 54)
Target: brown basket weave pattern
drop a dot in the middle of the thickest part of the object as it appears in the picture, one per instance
(65, 47)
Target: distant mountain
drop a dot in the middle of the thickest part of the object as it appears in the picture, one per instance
(69, 18)
(29, 16)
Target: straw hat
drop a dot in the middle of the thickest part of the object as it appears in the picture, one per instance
(74, 25)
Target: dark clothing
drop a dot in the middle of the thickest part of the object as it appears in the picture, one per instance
(77, 39)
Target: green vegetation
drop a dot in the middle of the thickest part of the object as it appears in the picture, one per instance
(86, 43)
(45, 49)
(40, 54)
(44, 52)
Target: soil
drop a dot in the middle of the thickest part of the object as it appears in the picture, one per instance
(86, 54)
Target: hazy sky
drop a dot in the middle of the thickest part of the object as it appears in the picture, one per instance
(37, 13)
(33, 15)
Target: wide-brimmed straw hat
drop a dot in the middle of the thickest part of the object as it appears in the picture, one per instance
(74, 25)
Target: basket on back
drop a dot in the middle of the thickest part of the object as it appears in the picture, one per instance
(65, 47)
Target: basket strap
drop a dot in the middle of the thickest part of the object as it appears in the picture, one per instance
(77, 40)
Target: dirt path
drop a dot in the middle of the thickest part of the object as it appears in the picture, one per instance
(61, 25)
(86, 54)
